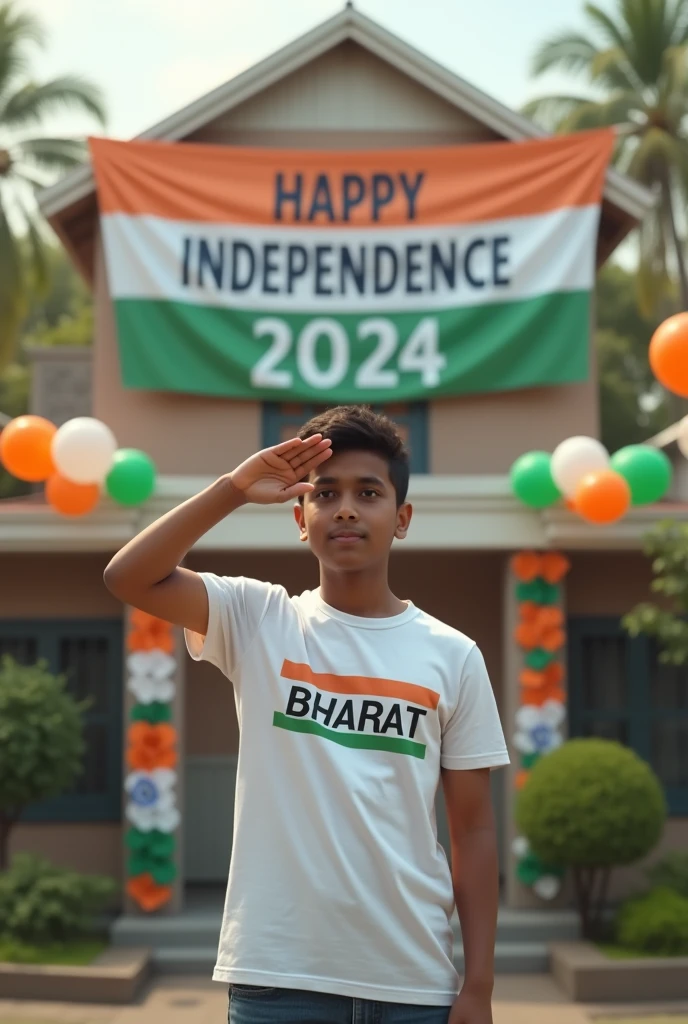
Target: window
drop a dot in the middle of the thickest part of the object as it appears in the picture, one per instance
(280, 422)
(620, 690)
(89, 653)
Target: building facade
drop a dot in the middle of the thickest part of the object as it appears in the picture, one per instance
(348, 84)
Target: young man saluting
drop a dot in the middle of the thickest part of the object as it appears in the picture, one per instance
(352, 705)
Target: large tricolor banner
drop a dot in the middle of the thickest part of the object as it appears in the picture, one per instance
(366, 276)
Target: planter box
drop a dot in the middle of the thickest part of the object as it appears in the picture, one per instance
(587, 976)
(116, 976)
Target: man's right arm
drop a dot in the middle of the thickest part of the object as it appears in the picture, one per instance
(147, 573)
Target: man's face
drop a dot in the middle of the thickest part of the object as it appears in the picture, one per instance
(351, 517)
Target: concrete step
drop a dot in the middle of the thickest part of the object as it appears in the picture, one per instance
(204, 930)
(189, 960)
(510, 958)
(513, 958)
(187, 943)
(532, 926)
(186, 931)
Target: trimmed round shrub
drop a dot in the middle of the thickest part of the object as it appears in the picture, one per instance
(591, 804)
(655, 923)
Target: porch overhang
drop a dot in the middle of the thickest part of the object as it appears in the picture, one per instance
(450, 513)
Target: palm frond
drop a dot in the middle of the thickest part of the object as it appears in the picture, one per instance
(655, 153)
(27, 176)
(32, 102)
(20, 25)
(611, 68)
(18, 29)
(624, 149)
(568, 51)
(650, 33)
(606, 25)
(38, 267)
(12, 288)
(673, 83)
(578, 113)
(551, 111)
(52, 154)
(678, 17)
(617, 110)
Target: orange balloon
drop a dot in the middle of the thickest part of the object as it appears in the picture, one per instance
(602, 497)
(25, 448)
(71, 499)
(669, 354)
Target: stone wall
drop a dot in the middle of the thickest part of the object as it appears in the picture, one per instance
(61, 383)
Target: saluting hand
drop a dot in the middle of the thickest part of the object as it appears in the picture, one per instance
(274, 475)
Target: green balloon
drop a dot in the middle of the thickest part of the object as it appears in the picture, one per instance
(131, 481)
(531, 480)
(647, 471)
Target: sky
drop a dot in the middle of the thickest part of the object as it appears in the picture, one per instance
(151, 57)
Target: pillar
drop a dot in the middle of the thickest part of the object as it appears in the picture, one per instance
(153, 759)
(532, 567)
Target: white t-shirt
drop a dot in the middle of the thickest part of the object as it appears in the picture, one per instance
(337, 882)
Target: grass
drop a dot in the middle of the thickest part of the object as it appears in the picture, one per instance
(78, 953)
(619, 953)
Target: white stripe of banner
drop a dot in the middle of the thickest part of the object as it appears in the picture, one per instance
(281, 269)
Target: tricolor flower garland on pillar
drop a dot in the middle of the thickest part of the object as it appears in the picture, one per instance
(542, 706)
(151, 758)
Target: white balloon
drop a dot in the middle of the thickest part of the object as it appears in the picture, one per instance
(575, 458)
(682, 439)
(548, 887)
(83, 450)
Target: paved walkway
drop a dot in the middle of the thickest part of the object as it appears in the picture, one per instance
(518, 999)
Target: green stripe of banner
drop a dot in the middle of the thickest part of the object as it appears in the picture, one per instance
(174, 346)
(359, 740)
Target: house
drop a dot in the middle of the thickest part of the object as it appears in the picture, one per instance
(347, 84)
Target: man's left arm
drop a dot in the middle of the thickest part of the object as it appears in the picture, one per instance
(475, 877)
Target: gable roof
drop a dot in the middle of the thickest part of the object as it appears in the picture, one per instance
(631, 200)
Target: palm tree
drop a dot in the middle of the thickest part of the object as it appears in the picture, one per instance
(635, 62)
(28, 163)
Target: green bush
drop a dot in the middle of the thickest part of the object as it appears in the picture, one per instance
(591, 803)
(671, 872)
(41, 742)
(42, 903)
(655, 923)
(590, 806)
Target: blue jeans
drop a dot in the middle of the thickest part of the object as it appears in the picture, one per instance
(249, 1004)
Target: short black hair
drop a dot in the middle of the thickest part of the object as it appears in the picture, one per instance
(358, 428)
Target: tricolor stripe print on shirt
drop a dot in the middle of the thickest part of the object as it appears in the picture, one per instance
(365, 713)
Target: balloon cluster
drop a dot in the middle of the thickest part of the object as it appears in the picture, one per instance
(668, 354)
(77, 461)
(669, 363)
(599, 488)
